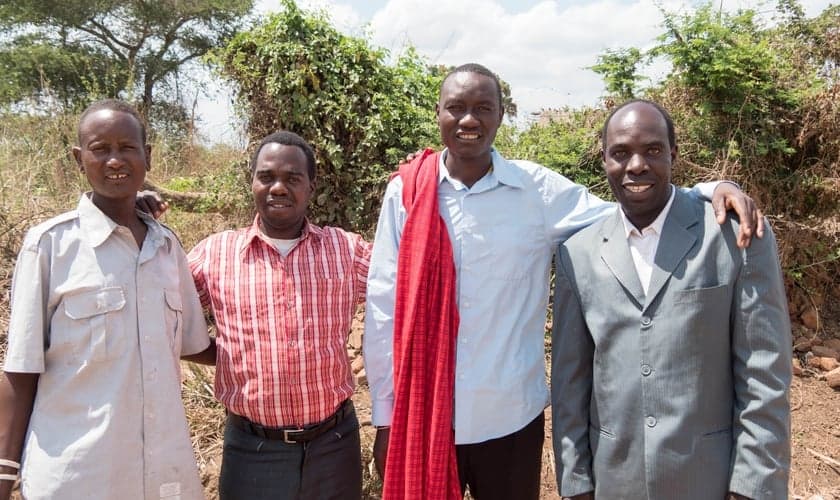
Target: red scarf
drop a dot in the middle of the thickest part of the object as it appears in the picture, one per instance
(421, 460)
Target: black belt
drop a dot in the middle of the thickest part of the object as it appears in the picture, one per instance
(292, 435)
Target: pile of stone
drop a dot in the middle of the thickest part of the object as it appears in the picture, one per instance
(817, 358)
(354, 351)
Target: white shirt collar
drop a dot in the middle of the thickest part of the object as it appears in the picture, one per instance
(501, 171)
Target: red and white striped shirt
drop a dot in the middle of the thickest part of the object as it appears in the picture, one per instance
(282, 321)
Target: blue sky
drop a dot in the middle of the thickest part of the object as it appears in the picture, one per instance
(541, 47)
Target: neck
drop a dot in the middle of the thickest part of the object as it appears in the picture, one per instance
(468, 170)
(282, 233)
(123, 212)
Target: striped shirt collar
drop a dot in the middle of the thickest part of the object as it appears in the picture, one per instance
(254, 232)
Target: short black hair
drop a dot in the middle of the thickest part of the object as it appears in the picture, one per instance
(669, 122)
(287, 138)
(112, 105)
(478, 69)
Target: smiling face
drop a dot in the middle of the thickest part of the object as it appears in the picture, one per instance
(282, 189)
(637, 158)
(112, 155)
(469, 114)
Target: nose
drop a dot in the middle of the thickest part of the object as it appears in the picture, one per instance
(637, 164)
(278, 187)
(468, 120)
(114, 160)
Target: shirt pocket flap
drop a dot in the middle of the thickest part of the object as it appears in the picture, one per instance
(94, 302)
(173, 300)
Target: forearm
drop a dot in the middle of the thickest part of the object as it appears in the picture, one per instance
(205, 357)
(17, 396)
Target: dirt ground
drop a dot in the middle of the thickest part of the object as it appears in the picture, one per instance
(815, 473)
(815, 432)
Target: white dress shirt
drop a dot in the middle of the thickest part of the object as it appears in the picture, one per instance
(104, 323)
(643, 244)
(503, 230)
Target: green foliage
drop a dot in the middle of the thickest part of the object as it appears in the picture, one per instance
(619, 70)
(295, 71)
(566, 141)
(738, 78)
(34, 68)
(73, 51)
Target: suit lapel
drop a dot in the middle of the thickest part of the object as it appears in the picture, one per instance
(616, 255)
(676, 240)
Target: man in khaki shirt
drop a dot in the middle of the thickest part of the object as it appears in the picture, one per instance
(103, 307)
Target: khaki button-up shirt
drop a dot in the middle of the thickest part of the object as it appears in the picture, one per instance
(104, 323)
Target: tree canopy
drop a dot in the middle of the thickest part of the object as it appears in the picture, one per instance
(72, 51)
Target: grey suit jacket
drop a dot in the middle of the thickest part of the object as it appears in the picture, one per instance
(681, 394)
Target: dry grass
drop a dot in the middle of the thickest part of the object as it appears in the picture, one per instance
(38, 179)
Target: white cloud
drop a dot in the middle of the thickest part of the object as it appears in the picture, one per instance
(542, 50)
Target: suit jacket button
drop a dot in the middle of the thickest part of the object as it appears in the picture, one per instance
(645, 321)
(650, 421)
(646, 370)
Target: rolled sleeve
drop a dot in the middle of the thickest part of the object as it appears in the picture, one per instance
(195, 338)
(29, 323)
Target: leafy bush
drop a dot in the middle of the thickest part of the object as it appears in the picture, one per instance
(295, 71)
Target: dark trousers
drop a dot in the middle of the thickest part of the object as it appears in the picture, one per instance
(506, 468)
(328, 467)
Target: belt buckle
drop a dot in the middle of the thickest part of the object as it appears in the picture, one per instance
(287, 432)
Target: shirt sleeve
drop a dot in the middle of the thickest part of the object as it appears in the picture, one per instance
(30, 319)
(569, 207)
(195, 261)
(361, 264)
(195, 338)
(378, 341)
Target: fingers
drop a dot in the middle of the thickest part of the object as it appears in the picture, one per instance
(719, 208)
(759, 216)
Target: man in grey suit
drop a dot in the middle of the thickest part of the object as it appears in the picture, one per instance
(671, 359)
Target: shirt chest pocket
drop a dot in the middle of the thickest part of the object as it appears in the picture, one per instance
(94, 324)
(173, 318)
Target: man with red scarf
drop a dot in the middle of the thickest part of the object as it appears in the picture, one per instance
(457, 292)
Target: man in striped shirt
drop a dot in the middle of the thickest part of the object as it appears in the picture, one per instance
(283, 292)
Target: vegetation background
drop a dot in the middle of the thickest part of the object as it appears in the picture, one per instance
(755, 102)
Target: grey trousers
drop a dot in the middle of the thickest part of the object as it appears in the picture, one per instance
(328, 467)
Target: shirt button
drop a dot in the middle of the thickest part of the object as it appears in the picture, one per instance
(292, 343)
(146, 338)
(645, 321)
(461, 377)
(650, 421)
(466, 304)
(646, 370)
(463, 341)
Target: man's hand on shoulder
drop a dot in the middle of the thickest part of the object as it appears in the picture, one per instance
(150, 202)
(726, 197)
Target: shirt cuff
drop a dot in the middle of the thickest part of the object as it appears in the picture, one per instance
(381, 412)
(707, 189)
